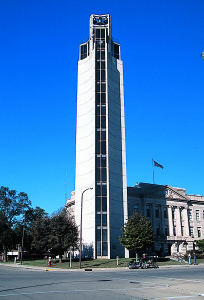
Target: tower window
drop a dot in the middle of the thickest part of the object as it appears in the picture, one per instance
(104, 249)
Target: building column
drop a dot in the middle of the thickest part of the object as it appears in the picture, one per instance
(186, 222)
(178, 221)
(171, 230)
(162, 224)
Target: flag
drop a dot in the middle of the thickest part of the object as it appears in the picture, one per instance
(157, 165)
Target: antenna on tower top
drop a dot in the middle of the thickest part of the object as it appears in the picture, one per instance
(65, 188)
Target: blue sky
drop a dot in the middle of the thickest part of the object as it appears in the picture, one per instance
(161, 44)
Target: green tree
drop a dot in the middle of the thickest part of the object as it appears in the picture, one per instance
(200, 244)
(137, 234)
(40, 234)
(55, 234)
(6, 234)
(63, 233)
(13, 207)
(12, 204)
(26, 225)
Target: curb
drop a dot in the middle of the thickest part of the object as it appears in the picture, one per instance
(92, 269)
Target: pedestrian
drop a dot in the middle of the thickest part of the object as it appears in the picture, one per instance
(194, 257)
(189, 258)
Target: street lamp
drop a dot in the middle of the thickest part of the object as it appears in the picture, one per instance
(22, 238)
(80, 247)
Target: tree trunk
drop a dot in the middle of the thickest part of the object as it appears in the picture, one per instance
(60, 258)
(5, 253)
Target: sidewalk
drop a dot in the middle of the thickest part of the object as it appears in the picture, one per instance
(91, 269)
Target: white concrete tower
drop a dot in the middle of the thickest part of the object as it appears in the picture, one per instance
(100, 142)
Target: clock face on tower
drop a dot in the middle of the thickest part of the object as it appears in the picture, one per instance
(100, 20)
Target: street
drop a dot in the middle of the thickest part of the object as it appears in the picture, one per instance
(163, 283)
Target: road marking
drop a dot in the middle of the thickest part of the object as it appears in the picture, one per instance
(171, 278)
(77, 291)
(179, 297)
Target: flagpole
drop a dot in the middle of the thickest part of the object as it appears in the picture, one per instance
(153, 169)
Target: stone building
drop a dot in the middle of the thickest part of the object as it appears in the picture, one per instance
(177, 218)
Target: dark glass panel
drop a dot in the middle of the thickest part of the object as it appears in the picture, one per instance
(98, 64)
(97, 54)
(98, 234)
(98, 203)
(104, 249)
(102, 44)
(97, 98)
(103, 161)
(84, 49)
(97, 122)
(98, 189)
(98, 174)
(116, 51)
(104, 234)
(99, 248)
(103, 98)
(103, 134)
(103, 147)
(97, 33)
(103, 174)
(98, 219)
(103, 75)
(98, 86)
(104, 190)
(98, 110)
(98, 135)
(104, 221)
(98, 75)
(103, 122)
(98, 161)
(103, 110)
(103, 33)
(102, 54)
(98, 44)
(103, 86)
(103, 65)
(104, 204)
(98, 147)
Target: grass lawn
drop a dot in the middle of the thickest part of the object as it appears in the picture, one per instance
(98, 263)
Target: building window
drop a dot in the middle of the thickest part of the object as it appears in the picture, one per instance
(157, 211)
(191, 232)
(165, 212)
(199, 232)
(173, 213)
(158, 230)
(190, 215)
(174, 230)
(197, 215)
(166, 230)
(148, 211)
(136, 208)
(182, 230)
